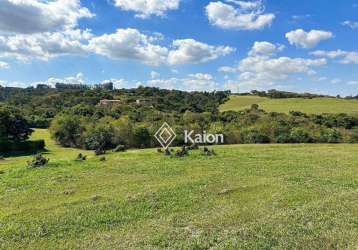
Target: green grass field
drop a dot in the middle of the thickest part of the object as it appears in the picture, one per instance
(246, 197)
(310, 106)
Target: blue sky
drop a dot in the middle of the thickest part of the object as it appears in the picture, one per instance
(183, 44)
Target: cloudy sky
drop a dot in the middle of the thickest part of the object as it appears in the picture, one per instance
(307, 45)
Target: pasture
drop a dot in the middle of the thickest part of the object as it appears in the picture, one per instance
(246, 197)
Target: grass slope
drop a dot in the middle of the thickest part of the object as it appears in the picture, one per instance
(247, 197)
(311, 106)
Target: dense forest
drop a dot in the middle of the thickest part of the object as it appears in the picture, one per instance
(103, 118)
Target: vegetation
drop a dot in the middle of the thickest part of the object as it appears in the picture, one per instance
(38, 161)
(14, 132)
(245, 197)
(94, 132)
(77, 117)
(319, 105)
(13, 148)
(41, 105)
(276, 94)
(13, 126)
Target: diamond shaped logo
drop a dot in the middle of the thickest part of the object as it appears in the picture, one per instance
(165, 135)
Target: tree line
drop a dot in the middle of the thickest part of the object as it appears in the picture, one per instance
(76, 120)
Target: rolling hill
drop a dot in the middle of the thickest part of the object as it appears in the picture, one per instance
(310, 106)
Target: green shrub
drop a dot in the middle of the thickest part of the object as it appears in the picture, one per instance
(67, 130)
(26, 146)
(256, 136)
(354, 136)
(81, 157)
(208, 152)
(13, 126)
(330, 136)
(99, 137)
(142, 137)
(38, 161)
(301, 135)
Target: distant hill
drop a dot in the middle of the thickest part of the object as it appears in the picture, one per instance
(310, 106)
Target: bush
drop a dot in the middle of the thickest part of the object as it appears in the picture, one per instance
(142, 137)
(184, 151)
(330, 136)
(13, 126)
(99, 137)
(207, 152)
(81, 157)
(26, 146)
(354, 136)
(38, 161)
(256, 136)
(301, 135)
(67, 130)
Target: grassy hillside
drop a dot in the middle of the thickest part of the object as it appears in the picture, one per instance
(248, 197)
(311, 106)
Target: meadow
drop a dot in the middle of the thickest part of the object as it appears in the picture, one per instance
(301, 196)
(309, 106)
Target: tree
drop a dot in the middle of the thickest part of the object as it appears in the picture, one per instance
(67, 130)
(13, 126)
(99, 137)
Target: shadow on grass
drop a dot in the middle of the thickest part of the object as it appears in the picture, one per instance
(24, 153)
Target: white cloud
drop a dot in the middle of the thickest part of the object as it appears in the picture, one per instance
(170, 83)
(306, 40)
(192, 82)
(189, 51)
(244, 16)
(328, 54)
(345, 57)
(4, 65)
(14, 84)
(232, 85)
(227, 69)
(264, 49)
(271, 69)
(117, 83)
(321, 79)
(300, 17)
(351, 24)
(146, 8)
(123, 44)
(260, 70)
(336, 80)
(352, 82)
(129, 44)
(154, 75)
(200, 82)
(35, 16)
(43, 45)
(42, 29)
(77, 79)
